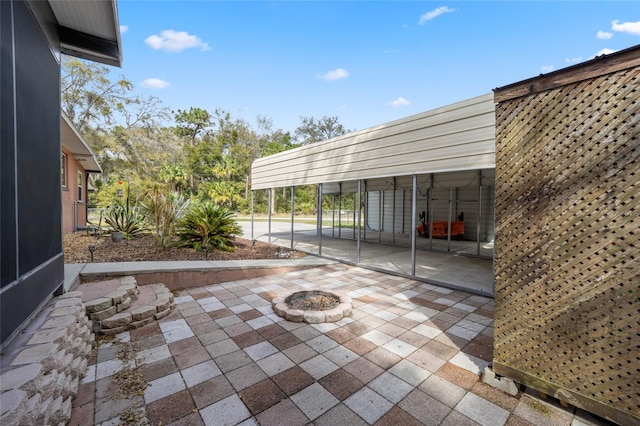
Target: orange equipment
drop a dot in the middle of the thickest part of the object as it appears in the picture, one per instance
(440, 230)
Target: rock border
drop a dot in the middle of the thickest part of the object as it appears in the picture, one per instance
(283, 310)
(111, 314)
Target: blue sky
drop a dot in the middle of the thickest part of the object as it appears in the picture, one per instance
(366, 62)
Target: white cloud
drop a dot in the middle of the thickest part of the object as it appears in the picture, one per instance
(175, 41)
(603, 35)
(547, 68)
(337, 74)
(399, 102)
(573, 60)
(605, 51)
(154, 83)
(434, 14)
(124, 29)
(626, 27)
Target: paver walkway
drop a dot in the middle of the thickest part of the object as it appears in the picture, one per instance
(410, 354)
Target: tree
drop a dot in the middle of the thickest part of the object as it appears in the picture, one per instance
(140, 151)
(89, 98)
(311, 130)
(192, 125)
(123, 130)
(145, 113)
(279, 142)
(175, 175)
(222, 192)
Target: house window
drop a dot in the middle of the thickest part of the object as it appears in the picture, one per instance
(79, 186)
(63, 171)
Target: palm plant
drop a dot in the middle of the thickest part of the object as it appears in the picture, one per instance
(208, 226)
(165, 210)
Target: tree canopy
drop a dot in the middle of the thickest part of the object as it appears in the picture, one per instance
(205, 155)
(313, 130)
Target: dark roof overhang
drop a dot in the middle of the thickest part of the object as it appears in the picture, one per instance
(89, 30)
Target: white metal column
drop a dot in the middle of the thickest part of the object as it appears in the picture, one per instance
(252, 237)
(293, 209)
(414, 212)
(269, 215)
(357, 233)
(393, 214)
(320, 220)
(340, 210)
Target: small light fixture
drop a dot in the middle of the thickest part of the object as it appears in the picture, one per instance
(207, 248)
(92, 248)
(253, 243)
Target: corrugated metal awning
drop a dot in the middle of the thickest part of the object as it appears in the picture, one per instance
(460, 136)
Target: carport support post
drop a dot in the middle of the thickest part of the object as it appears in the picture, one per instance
(393, 214)
(252, 238)
(366, 212)
(479, 212)
(357, 233)
(293, 209)
(414, 212)
(333, 215)
(380, 213)
(340, 210)
(269, 216)
(431, 210)
(449, 223)
(320, 219)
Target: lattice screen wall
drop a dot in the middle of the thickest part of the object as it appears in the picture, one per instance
(567, 257)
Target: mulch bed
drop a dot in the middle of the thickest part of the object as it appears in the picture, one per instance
(144, 248)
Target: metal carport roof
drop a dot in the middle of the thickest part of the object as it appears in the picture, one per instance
(460, 136)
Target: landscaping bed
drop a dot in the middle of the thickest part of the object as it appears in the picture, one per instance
(143, 248)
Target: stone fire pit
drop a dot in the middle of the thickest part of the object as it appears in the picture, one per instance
(312, 306)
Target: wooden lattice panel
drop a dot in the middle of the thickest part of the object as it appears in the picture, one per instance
(566, 252)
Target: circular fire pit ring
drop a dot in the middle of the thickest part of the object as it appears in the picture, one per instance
(311, 306)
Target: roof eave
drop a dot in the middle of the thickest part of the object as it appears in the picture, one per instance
(76, 144)
(89, 30)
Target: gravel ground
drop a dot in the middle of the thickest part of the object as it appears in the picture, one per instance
(76, 250)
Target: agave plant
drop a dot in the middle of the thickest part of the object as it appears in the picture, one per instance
(128, 220)
(208, 225)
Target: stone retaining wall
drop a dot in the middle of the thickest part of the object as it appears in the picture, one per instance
(39, 382)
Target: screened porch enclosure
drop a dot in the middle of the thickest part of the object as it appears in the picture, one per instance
(444, 237)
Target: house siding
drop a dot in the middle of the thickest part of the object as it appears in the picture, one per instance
(74, 211)
(30, 235)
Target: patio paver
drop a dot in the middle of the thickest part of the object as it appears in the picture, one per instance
(411, 353)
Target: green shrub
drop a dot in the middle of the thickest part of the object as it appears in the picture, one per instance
(165, 210)
(208, 224)
(129, 221)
